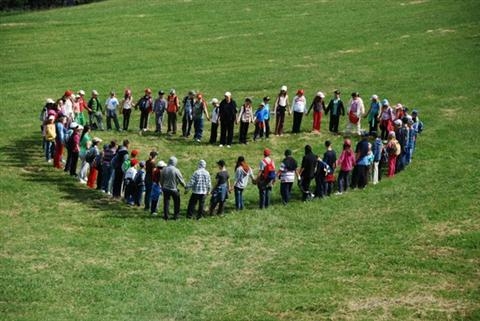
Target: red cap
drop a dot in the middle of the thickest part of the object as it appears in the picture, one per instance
(300, 92)
(68, 93)
(266, 152)
(134, 153)
(134, 162)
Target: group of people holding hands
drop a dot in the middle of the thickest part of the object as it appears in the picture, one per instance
(389, 143)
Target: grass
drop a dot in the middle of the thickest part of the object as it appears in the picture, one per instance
(403, 250)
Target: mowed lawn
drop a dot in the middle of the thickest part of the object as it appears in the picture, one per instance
(406, 249)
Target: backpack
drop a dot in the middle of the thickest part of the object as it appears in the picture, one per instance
(143, 103)
(352, 116)
(90, 155)
(398, 148)
(126, 165)
(322, 169)
(269, 171)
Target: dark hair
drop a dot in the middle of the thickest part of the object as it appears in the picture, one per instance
(126, 142)
(308, 149)
(86, 128)
(328, 143)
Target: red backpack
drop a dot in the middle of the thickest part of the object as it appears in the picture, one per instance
(268, 170)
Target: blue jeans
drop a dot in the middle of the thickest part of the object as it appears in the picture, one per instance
(198, 126)
(112, 114)
(286, 192)
(239, 205)
(343, 181)
(106, 174)
(264, 195)
(49, 149)
(140, 190)
(148, 191)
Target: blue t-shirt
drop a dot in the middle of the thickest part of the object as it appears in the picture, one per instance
(261, 114)
(267, 111)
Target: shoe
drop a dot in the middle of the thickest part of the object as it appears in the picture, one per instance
(220, 145)
(338, 193)
(228, 146)
(197, 140)
(154, 214)
(82, 181)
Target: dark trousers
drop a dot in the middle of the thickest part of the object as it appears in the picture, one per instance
(354, 178)
(126, 118)
(305, 187)
(333, 125)
(297, 122)
(99, 177)
(243, 132)
(186, 125)
(286, 192)
(175, 195)
(373, 126)
(68, 162)
(320, 186)
(143, 119)
(148, 192)
(362, 176)
(194, 199)
(198, 126)
(259, 130)
(106, 174)
(73, 163)
(264, 193)
(117, 182)
(112, 115)
(226, 132)
(279, 120)
(343, 181)
(172, 123)
(213, 133)
(267, 128)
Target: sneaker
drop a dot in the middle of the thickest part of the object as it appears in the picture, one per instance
(154, 214)
(220, 145)
(197, 140)
(228, 146)
(82, 181)
(338, 193)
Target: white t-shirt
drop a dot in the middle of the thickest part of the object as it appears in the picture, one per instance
(299, 104)
(112, 103)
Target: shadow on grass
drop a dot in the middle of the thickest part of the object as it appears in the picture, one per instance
(26, 154)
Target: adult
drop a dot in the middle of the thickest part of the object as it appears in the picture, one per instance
(362, 161)
(393, 150)
(280, 107)
(199, 111)
(145, 106)
(126, 108)
(187, 113)
(69, 143)
(68, 101)
(245, 117)
(107, 169)
(318, 106)
(227, 116)
(336, 109)
(172, 110)
(287, 173)
(149, 167)
(120, 158)
(111, 105)
(159, 108)
(95, 113)
(75, 150)
(85, 144)
(307, 172)
(156, 187)
(264, 180)
(299, 108)
(221, 189)
(170, 178)
(356, 110)
(200, 184)
(373, 114)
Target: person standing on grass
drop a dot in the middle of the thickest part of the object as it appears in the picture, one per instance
(330, 157)
(111, 107)
(307, 172)
(50, 136)
(318, 106)
(299, 108)
(280, 108)
(75, 150)
(393, 150)
(82, 106)
(85, 144)
(356, 110)
(386, 119)
(159, 108)
(214, 121)
(377, 150)
(170, 178)
(221, 189)
(200, 184)
(149, 167)
(287, 174)
(242, 173)
(126, 108)
(362, 161)
(107, 169)
(145, 105)
(346, 162)
(156, 187)
(118, 174)
(266, 104)
(265, 178)
(172, 110)
(373, 114)
(68, 100)
(69, 143)
(245, 117)
(260, 122)
(336, 109)
(187, 112)
(93, 154)
(95, 113)
(199, 110)
(417, 128)
(129, 182)
(61, 132)
(140, 184)
(227, 116)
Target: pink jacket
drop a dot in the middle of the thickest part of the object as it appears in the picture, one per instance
(346, 160)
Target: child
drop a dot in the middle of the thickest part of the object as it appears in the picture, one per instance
(266, 99)
(281, 104)
(329, 157)
(245, 117)
(156, 188)
(386, 119)
(321, 171)
(265, 178)
(159, 107)
(242, 173)
(50, 136)
(91, 157)
(373, 114)
(318, 106)
(393, 151)
(260, 122)
(346, 163)
(140, 184)
(129, 182)
(111, 106)
(221, 189)
(214, 121)
(126, 108)
(61, 132)
(287, 173)
(200, 185)
(299, 108)
(377, 149)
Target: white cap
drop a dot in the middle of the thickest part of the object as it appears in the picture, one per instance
(77, 96)
(50, 101)
(228, 94)
(96, 140)
(375, 97)
(73, 125)
(94, 92)
(80, 127)
(161, 164)
(51, 117)
(172, 91)
(283, 88)
(320, 94)
(214, 101)
(398, 122)
(81, 92)
(398, 106)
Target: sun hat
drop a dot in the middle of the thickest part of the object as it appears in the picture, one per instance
(202, 164)
(81, 92)
(347, 142)
(398, 106)
(283, 88)
(266, 98)
(80, 127)
(414, 112)
(191, 93)
(50, 101)
(73, 125)
(398, 122)
(375, 97)
(134, 153)
(142, 164)
(68, 93)
(214, 101)
(96, 140)
(320, 94)
(94, 92)
(172, 91)
(51, 112)
(161, 92)
(385, 102)
(77, 96)
(391, 134)
(161, 164)
(267, 152)
(228, 94)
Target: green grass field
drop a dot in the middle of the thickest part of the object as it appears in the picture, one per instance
(406, 249)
